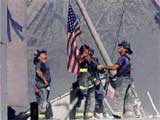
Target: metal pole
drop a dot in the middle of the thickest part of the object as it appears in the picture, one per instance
(95, 35)
(3, 63)
(109, 106)
(158, 2)
(153, 105)
(60, 97)
(65, 116)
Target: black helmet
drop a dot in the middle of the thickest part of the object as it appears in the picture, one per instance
(82, 48)
(126, 45)
(37, 54)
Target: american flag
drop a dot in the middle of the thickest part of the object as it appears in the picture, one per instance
(73, 31)
(110, 91)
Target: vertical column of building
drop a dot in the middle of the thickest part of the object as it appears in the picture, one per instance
(17, 74)
(3, 64)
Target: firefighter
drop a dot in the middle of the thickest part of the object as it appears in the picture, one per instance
(123, 103)
(87, 79)
(42, 84)
(82, 83)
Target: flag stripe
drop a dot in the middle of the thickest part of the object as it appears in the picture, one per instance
(70, 56)
(71, 52)
(75, 61)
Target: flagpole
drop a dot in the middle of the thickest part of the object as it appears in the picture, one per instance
(3, 64)
(95, 35)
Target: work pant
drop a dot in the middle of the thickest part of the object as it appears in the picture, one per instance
(43, 104)
(99, 97)
(86, 106)
(124, 97)
(90, 103)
